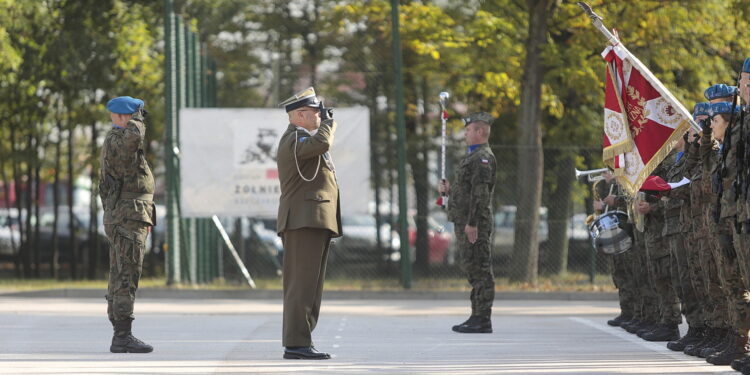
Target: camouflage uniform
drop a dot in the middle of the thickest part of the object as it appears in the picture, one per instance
(658, 255)
(738, 297)
(623, 272)
(676, 227)
(126, 189)
(471, 203)
(700, 256)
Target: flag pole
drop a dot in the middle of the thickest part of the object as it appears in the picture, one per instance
(613, 40)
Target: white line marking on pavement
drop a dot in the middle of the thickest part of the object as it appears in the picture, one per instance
(660, 347)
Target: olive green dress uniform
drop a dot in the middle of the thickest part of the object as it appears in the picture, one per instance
(309, 216)
(471, 203)
(127, 191)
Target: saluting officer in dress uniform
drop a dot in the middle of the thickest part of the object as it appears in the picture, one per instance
(309, 216)
(470, 209)
(127, 191)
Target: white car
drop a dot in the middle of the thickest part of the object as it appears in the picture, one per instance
(10, 237)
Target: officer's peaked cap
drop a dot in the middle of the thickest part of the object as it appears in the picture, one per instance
(479, 116)
(124, 105)
(719, 90)
(304, 98)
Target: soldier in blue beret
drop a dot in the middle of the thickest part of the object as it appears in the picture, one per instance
(742, 229)
(720, 91)
(701, 110)
(126, 187)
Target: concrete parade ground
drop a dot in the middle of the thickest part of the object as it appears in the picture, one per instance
(70, 335)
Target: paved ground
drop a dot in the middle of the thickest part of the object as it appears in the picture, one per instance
(71, 336)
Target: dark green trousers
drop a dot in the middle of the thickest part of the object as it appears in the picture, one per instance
(305, 255)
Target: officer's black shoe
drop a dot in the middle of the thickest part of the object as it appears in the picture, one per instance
(737, 349)
(693, 336)
(719, 346)
(469, 321)
(480, 325)
(304, 352)
(123, 340)
(618, 320)
(746, 369)
(663, 332)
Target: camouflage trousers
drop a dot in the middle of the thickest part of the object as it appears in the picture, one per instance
(623, 276)
(647, 301)
(738, 296)
(682, 279)
(661, 278)
(706, 278)
(127, 246)
(476, 262)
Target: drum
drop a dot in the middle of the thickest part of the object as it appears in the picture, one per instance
(611, 233)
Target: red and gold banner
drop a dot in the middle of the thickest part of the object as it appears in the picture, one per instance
(642, 119)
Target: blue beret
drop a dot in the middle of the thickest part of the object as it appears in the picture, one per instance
(746, 66)
(722, 108)
(719, 91)
(701, 109)
(124, 105)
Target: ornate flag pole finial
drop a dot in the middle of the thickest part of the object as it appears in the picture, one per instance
(597, 21)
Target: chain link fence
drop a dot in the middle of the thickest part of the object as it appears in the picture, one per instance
(369, 249)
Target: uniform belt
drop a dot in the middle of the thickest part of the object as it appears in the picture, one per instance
(139, 196)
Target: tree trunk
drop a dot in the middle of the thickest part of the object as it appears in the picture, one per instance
(530, 162)
(28, 201)
(559, 213)
(37, 202)
(421, 181)
(17, 186)
(54, 264)
(72, 243)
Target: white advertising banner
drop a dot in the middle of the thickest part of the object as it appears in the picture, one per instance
(228, 160)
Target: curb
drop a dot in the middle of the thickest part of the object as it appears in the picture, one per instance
(158, 293)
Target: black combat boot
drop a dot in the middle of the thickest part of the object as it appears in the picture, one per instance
(663, 332)
(713, 339)
(720, 345)
(737, 349)
(618, 320)
(469, 321)
(635, 326)
(646, 329)
(693, 336)
(624, 325)
(123, 340)
(479, 325)
(709, 339)
(739, 364)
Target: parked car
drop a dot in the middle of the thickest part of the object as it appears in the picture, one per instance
(81, 225)
(359, 242)
(9, 233)
(505, 228)
(440, 241)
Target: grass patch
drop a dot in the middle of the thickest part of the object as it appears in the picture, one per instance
(571, 282)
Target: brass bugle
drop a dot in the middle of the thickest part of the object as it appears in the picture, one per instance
(592, 174)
